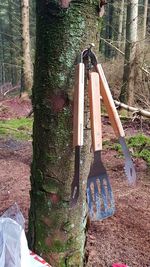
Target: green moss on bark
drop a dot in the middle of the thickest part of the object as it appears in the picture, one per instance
(57, 231)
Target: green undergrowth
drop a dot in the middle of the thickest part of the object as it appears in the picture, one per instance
(16, 128)
(139, 146)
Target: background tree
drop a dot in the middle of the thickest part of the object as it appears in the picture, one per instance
(145, 18)
(117, 42)
(12, 44)
(127, 90)
(141, 86)
(56, 231)
(109, 30)
(27, 76)
(121, 17)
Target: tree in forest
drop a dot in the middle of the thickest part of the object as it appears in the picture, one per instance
(15, 48)
(111, 31)
(109, 28)
(141, 81)
(145, 18)
(120, 26)
(10, 45)
(57, 231)
(27, 77)
(2, 69)
(127, 90)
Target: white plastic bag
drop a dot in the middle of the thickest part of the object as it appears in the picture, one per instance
(15, 214)
(14, 250)
(25, 253)
(10, 252)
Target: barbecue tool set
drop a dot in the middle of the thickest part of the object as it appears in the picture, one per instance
(99, 192)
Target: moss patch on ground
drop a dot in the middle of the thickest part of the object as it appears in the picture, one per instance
(17, 128)
(139, 146)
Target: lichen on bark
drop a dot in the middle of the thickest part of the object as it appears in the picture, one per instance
(56, 231)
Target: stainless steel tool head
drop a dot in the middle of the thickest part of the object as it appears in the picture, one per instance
(75, 182)
(99, 193)
(129, 166)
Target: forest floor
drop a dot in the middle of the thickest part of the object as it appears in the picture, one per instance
(124, 237)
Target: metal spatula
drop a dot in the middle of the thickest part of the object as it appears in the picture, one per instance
(78, 117)
(116, 124)
(99, 193)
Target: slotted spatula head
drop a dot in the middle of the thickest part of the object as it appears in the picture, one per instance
(99, 193)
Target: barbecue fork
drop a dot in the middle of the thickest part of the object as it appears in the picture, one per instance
(78, 121)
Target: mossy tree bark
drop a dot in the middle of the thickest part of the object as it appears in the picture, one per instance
(55, 231)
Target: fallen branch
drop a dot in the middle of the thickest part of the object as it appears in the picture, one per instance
(137, 111)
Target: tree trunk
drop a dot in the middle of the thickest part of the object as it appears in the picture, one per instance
(120, 29)
(11, 45)
(56, 231)
(141, 54)
(127, 90)
(124, 25)
(109, 29)
(145, 18)
(3, 78)
(148, 18)
(27, 76)
(142, 20)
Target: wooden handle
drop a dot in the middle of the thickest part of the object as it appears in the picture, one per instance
(109, 103)
(78, 110)
(95, 111)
